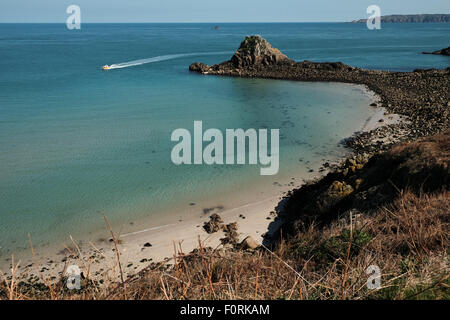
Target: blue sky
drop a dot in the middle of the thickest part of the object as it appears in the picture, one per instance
(210, 10)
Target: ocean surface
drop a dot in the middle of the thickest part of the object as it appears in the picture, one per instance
(76, 141)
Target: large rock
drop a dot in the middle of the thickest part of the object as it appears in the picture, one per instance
(249, 243)
(255, 50)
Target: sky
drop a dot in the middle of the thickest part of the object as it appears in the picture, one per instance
(211, 10)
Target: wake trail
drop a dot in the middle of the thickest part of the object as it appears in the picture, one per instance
(161, 58)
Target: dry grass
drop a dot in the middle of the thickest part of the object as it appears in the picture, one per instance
(409, 240)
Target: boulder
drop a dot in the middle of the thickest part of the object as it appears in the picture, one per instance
(214, 224)
(249, 243)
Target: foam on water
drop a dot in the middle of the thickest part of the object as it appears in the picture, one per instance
(162, 58)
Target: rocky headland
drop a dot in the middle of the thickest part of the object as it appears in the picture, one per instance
(399, 170)
(421, 96)
(444, 52)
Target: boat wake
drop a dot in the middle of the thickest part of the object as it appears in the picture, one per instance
(160, 58)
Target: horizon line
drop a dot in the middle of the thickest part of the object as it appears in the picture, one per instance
(291, 21)
(188, 22)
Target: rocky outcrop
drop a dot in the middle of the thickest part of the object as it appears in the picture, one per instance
(444, 52)
(254, 51)
(231, 234)
(214, 224)
(199, 67)
(364, 184)
(421, 96)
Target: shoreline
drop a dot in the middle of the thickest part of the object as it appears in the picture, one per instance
(421, 96)
(252, 218)
(256, 216)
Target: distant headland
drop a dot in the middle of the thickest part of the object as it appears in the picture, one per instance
(444, 52)
(411, 18)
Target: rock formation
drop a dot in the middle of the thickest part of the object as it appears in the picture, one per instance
(254, 51)
(421, 96)
(444, 52)
(214, 224)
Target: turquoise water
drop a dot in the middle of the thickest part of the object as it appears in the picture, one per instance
(75, 140)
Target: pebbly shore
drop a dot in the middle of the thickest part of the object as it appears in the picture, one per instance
(422, 97)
